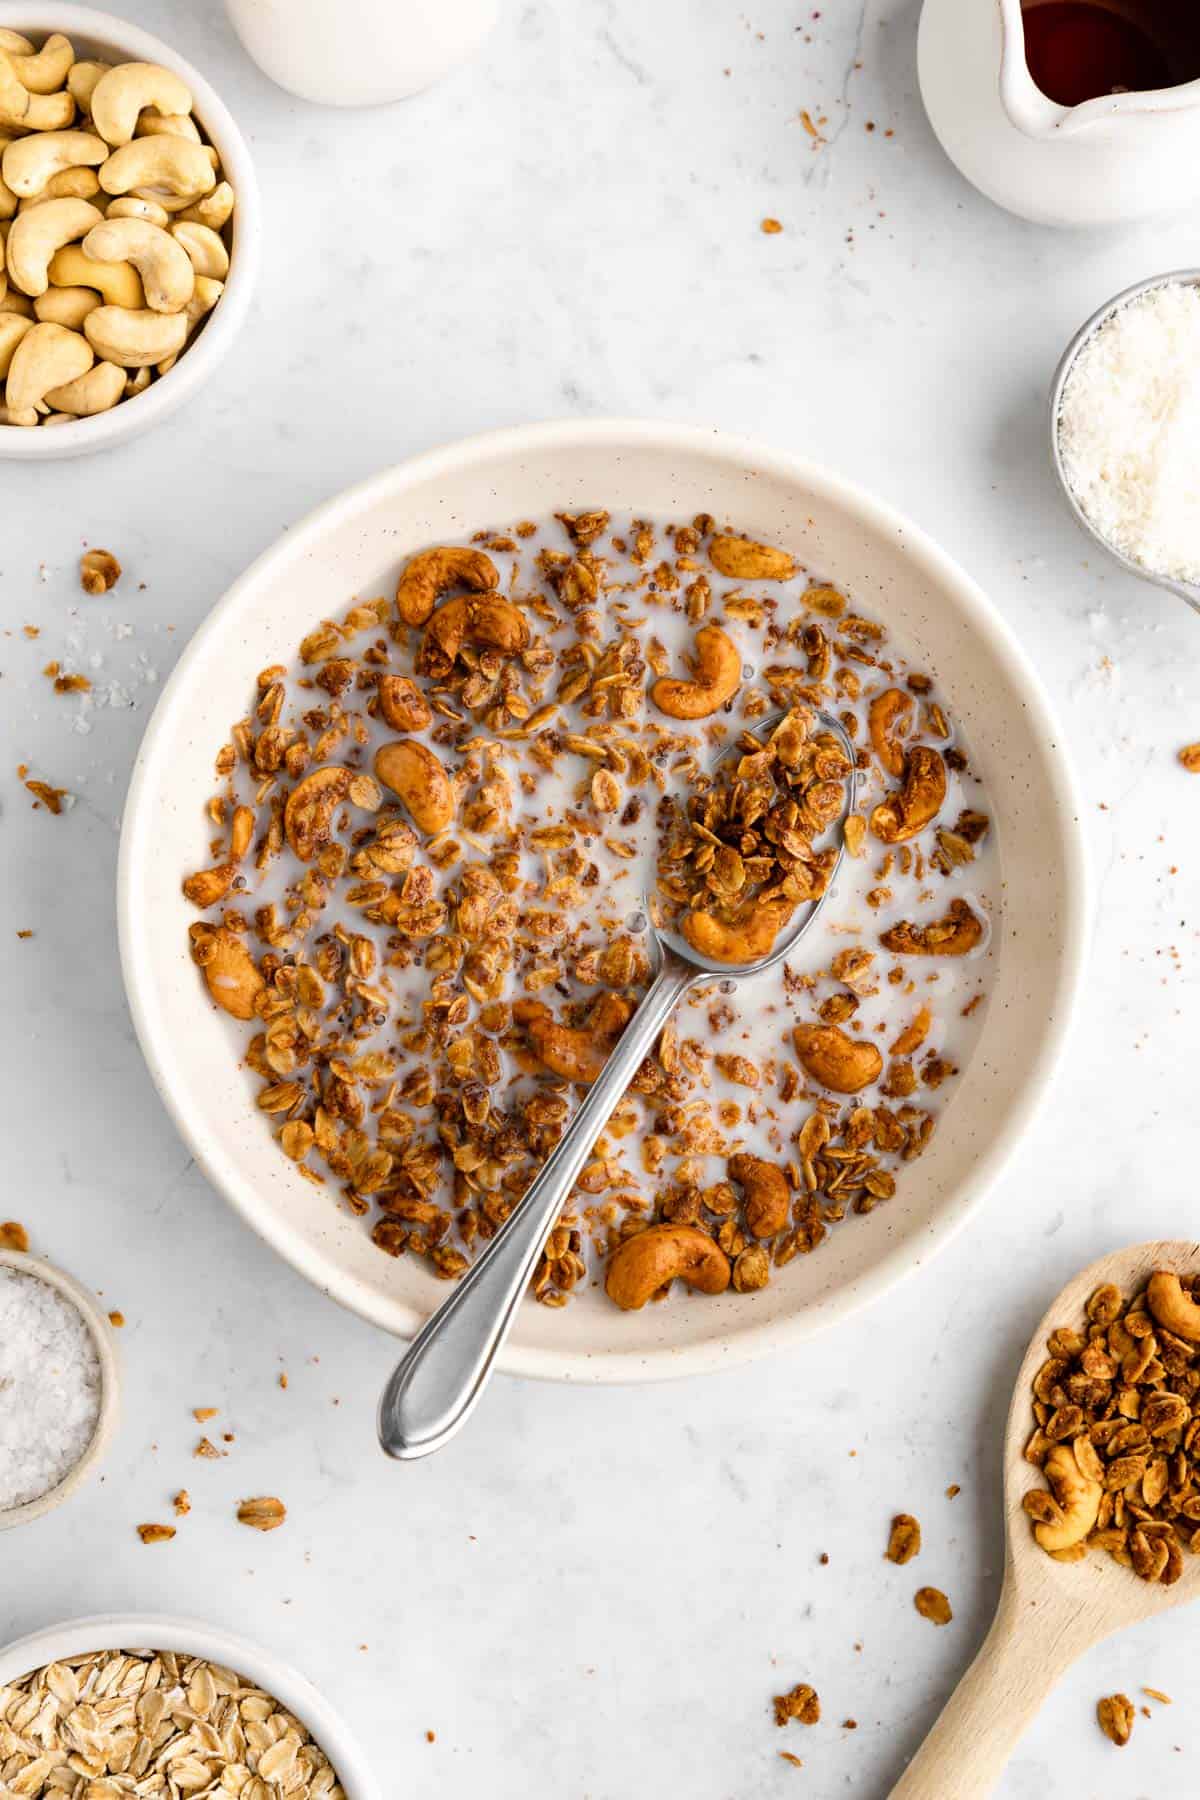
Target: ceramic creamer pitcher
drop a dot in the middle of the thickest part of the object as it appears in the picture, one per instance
(1117, 157)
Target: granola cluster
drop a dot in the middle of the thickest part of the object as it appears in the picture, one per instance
(435, 841)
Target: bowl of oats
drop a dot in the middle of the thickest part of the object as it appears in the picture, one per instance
(421, 779)
(162, 1706)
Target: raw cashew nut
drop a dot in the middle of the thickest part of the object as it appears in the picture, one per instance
(1174, 1309)
(233, 978)
(1077, 1494)
(129, 206)
(12, 329)
(101, 387)
(12, 302)
(431, 573)
(311, 805)
(403, 705)
(214, 210)
(10, 417)
(747, 938)
(8, 200)
(14, 43)
(30, 112)
(889, 717)
(168, 124)
(29, 162)
(717, 679)
(744, 560)
(134, 339)
(917, 804)
(205, 297)
(954, 935)
(579, 1052)
(414, 773)
(768, 1199)
(121, 94)
(650, 1260)
(120, 283)
(67, 306)
(843, 1064)
(68, 184)
(204, 247)
(36, 235)
(168, 278)
(48, 356)
(44, 71)
(82, 80)
(169, 163)
(484, 619)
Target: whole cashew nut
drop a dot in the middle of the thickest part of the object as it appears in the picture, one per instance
(82, 81)
(14, 43)
(36, 235)
(131, 206)
(205, 297)
(214, 210)
(119, 282)
(172, 164)
(909, 810)
(152, 123)
(415, 774)
(30, 112)
(67, 306)
(1077, 1494)
(94, 392)
(233, 978)
(650, 1260)
(843, 1064)
(1174, 1309)
(432, 573)
(44, 71)
(749, 936)
(956, 934)
(134, 339)
(484, 619)
(12, 329)
(29, 162)
(47, 357)
(717, 679)
(745, 560)
(768, 1199)
(168, 278)
(205, 247)
(889, 717)
(122, 93)
(577, 1053)
(403, 705)
(68, 184)
(308, 812)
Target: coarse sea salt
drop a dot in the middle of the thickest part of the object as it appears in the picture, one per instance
(50, 1387)
(1129, 430)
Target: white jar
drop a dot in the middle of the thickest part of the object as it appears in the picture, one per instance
(360, 52)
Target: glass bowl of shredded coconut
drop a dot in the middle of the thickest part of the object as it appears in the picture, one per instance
(58, 1387)
(1125, 430)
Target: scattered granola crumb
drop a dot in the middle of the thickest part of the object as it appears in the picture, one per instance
(156, 1534)
(933, 1605)
(32, 631)
(771, 227)
(24, 934)
(13, 1236)
(953, 1491)
(789, 1758)
(206, 1448)
(283, 1380)
(116, 1319)
(431, 1737)
(202, 1414)
(1115, 1716)
(99, 571)
(262, 1514)
(1157, 1694)
(182, 1502)
(823, 1559)
(905, 1540)
(1189, 756)
(801, 1703)
(51, 797)
(849, 1724)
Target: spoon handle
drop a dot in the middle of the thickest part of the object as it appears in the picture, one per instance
(440, 1378)
(1026, 1651)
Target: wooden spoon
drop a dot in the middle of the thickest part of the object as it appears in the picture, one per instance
(1049, 1612)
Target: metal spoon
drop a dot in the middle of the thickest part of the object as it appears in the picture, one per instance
(1186, 590)
(441, 1377)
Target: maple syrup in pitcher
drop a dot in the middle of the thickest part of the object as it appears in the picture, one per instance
(1082, 49)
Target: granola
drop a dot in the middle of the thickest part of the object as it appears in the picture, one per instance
(1115, 1716)
(435, 841)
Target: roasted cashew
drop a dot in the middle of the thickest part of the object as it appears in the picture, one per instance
(1174, 1309)
(29, 162)
(954, 935)
(118, 282)
(205, 247)
(308, 812)
(44, 71)
(82, 81)
(843, 1064)
(172, 164)
(768, 1199)
(745, 939)
(132, 206)
(650, 1260)
(121, 94)
(67, 306)
(135, 339)
(1077, 1494)
(94, 392)
(579, 1052)
(30, 112)
(413, 772)
(403, 705)
(36, 235)
(889, 717)
(47, 357)
(233, 978)
(12, 329)
(432, 573)
(215, 209)
(168, 278)
(745, 560)
(717, 679)
(909, 810)
(484, 619)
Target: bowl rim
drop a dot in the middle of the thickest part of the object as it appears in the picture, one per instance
(562, 437)
(41, 1268)
(142, 411)
(194, 1637)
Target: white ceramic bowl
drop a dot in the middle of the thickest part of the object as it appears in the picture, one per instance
(110, 1386)
(147, 1631)
(100, 35)
(354, 545)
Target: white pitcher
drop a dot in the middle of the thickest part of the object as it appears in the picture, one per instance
(1114, 159)
(360, 52)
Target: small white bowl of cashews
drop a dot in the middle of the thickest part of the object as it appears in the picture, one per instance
(129, 217)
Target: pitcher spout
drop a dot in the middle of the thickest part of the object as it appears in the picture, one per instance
(1029, 110)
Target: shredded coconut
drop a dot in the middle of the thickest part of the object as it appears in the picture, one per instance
(1129, 430)
(49, 1387)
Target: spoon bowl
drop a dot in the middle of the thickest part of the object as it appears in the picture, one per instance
(1050, 1612)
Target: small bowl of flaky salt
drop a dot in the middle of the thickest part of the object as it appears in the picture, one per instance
(1125, 430)
(58, 1387)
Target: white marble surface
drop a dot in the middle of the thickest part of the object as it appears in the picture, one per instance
(595, 1593)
